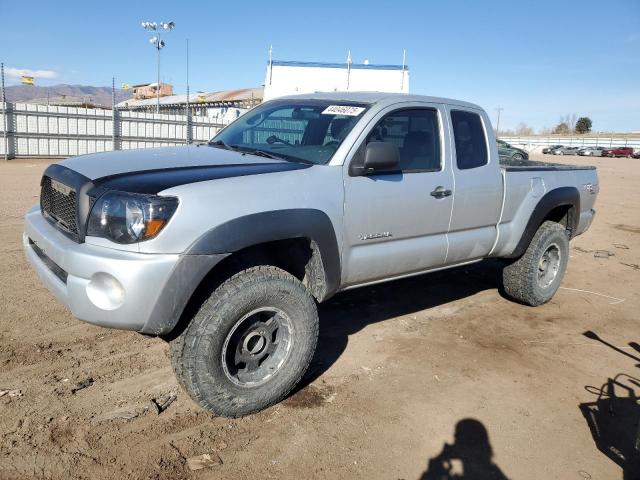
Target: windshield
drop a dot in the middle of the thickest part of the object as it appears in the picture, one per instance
(308, 131)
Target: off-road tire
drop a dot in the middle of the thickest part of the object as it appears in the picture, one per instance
(520, 278)
(197, 353)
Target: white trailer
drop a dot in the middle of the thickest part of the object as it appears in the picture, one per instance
(291, 77)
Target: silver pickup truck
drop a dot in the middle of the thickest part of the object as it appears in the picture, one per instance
(225, 248)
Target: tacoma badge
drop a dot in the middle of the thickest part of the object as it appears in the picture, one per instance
(372, 236)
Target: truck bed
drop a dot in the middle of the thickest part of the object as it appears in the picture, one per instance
(526, 182)
(511, 165)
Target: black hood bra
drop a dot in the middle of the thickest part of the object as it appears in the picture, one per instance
(154, 181)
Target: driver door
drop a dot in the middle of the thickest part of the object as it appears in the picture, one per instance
(394, 222)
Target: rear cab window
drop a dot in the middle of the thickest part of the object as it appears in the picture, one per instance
(470, 140)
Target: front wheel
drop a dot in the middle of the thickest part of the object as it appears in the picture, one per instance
(534, 278)
(249, 344)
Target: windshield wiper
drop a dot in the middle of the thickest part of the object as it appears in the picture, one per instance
(262, 153)
(220, 143)
(265, 154)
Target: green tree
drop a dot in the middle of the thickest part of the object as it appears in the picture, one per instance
(562, 128)
(583, 125)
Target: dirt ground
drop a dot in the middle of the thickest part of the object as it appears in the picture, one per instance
(437, 373)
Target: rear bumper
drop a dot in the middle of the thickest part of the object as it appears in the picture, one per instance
(113, 288)
(585, 221)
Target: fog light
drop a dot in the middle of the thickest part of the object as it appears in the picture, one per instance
(105, 291)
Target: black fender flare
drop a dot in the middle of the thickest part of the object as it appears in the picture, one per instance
(557, 197)
(262, 227)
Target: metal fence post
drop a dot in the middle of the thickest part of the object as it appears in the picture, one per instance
(115, 118)
(5, 127)
(115, 136)
(189, 133)
(8, 137)
(5, 122)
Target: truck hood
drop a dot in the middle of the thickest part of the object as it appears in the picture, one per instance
(99, 165)
(153, 170)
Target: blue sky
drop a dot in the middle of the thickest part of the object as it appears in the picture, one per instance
(538, 60)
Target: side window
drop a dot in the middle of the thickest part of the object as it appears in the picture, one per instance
(471, 145)
(417, 135)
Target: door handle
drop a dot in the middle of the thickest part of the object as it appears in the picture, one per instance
(441, 192)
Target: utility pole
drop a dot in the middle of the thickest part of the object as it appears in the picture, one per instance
(349, 62)
(2, 74)
(188, 133)
(114, 127)
(270, 63)
(499, 110)
(404, 62)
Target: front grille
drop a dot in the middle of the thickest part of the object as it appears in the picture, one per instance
(60, 205)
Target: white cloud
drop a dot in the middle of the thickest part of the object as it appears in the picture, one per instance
(12, 72)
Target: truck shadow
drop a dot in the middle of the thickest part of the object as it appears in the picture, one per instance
(613, 417)
(469, 458)
(349, 312)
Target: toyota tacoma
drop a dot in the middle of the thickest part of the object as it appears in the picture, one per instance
(226, 248)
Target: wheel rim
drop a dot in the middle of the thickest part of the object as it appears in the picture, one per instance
(517, 156)
(549, 266)
(257, 346)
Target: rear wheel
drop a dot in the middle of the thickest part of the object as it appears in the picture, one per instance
(534, 278)
(249, 344)
(517, 156)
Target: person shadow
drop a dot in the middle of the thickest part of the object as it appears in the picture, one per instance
(469, 458)
(614, 416)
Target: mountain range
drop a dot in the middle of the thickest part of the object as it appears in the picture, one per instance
(65, 94)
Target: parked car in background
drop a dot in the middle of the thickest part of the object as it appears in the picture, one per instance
(637, 154)
(591, 151)
(618, 152)
(566, 151)
(506, 151)
(550, 148)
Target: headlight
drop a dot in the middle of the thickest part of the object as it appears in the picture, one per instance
(128, 217)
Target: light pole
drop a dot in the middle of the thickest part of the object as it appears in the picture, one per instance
(158, 43)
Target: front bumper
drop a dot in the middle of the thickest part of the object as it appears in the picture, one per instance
(113, 288)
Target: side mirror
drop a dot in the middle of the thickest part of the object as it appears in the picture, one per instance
(380, 156)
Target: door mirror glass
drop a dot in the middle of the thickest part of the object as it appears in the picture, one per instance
(381, 156)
